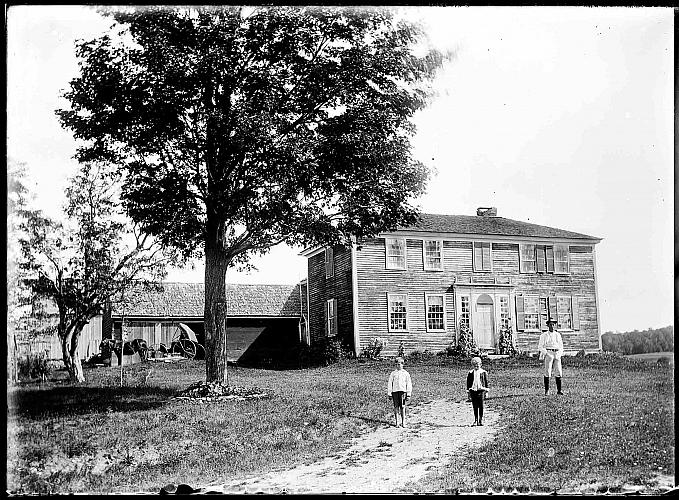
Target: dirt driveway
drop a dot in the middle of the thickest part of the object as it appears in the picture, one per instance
(437, 430)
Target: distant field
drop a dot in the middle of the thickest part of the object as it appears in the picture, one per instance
(653, 356)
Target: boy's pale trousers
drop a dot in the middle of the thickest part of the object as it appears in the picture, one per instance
(553, 359)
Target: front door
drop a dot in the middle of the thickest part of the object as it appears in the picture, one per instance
(483, 331)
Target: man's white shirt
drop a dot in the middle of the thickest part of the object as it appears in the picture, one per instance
(550, 340)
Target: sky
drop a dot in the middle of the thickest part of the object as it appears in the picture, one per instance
(560, 116)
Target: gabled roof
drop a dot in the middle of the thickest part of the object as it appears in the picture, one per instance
(476, 224)
(186, 300)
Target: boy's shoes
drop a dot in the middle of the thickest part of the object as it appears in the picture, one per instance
(476, 422)
(480, 423)
(561, 393)
(546, 393)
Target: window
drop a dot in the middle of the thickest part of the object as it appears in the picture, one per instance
(433, 255)
(543, 258)
(331, 317)
(530, 310)
(504, 312)
(398, 312)
(527, 258)
(465, 312)
(564, 313)
(396, 253)
(329, 263)
(435, 304)
(482, 256)
(561, 259)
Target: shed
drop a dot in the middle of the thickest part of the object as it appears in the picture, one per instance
(264, 322)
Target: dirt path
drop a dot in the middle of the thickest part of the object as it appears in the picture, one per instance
(437, 430)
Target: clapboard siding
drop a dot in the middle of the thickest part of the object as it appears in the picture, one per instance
(338, 287)
(374, 282)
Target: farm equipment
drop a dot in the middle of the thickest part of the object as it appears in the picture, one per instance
(184, 343)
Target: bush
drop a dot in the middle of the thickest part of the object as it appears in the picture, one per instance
(34, 366)
(374, 348)
(506, 343)
(580, 354)
(466, 345)
(401, 351)
(418, 356)
(663, 360)
(323, 352)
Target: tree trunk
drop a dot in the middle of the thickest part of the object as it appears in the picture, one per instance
(216, 265)
(69, 351)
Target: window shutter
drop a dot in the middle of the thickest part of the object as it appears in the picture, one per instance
(478, 257)
(486, 256)
(540, 258)
(520, 316)
(549, 257)
(575, 312)
(553, 311)
(541, 318)
(326, 320)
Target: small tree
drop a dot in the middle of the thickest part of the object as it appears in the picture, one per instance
(466, 345)
(93, 259)
(18, 295)
(506, 343)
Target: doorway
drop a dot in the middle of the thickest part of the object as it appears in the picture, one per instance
(484, 324)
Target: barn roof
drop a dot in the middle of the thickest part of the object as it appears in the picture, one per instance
(475, 224)
(185, 300)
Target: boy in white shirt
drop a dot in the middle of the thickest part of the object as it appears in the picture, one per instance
(477, 386)
(399, 389)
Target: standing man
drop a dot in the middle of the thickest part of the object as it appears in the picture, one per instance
(550, 347)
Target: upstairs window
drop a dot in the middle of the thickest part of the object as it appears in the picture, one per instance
(433, 255)
(482, 256)
(561, 259)
(329, 263)
(435, 305)
(398, 312)
(527, 258)
(543, 258)
(395, 252)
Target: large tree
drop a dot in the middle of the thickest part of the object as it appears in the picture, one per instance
(241, 128)
(90, 259)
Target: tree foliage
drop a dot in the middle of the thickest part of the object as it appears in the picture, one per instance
(241, 128)
(639, 342)
(88, 261)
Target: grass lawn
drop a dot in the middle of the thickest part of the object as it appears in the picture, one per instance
(614, 425)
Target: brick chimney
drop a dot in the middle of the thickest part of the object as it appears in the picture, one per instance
(486, 212)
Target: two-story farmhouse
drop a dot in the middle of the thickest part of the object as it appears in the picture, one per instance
(418, 284)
